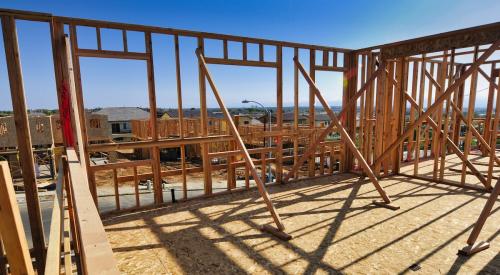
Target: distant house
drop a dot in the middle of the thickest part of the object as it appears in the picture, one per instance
(119, 117)
(193, 113)
(322, 120)
(288, 118)
(246, 119)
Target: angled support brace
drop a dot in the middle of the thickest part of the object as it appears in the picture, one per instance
(460, 114)
(312, 147)
(343, 133)
(453, 146)
(248, 160)
(472, 246)
(434, 107)
(461, 155)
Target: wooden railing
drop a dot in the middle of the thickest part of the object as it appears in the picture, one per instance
(76, 226)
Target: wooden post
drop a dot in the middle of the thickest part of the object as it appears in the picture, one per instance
(489, 107)
(155, 151)
(459, 102)
(279, 115)
(470, 115)
(399, 109)
(379, 127)
(350, 81)
(494, 135)
(449, 75)
(295, 110)
(312, 114)
(180, 114)
(11, 227)
(207, 168)
(23, 138)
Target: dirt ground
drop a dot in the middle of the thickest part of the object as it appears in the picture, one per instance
(335, 229)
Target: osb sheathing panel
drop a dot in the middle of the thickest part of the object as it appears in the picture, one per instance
(335, 229)
(40, 131)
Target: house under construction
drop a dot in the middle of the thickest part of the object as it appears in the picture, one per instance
(413, 178)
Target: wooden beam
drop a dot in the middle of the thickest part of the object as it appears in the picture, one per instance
(11, 227)
(480, 35)
(344, 134)
(112, 54)
(237, 62)
(23, 137)
(431, 109)
(241, 144)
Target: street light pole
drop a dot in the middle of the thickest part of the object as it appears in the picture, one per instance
(270, 141)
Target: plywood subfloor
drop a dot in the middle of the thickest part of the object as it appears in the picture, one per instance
(453, 169)
(335, 229)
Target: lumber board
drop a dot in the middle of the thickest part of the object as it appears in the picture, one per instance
(11, 227)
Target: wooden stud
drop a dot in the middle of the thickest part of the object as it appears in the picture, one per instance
(413, 143)
(124, 38)
(180, 114)
(245, 51)
(312, 114)
(325, 58)
(207, 173)
(261, 52)
(115, 185)
(494, 137)
(379, 105)
(136, 188)
(295, 109)
(279, 115)
(98, 35)
(226, 54)
(420, 111)
(155, 151)
(449, 75)
(470, 115)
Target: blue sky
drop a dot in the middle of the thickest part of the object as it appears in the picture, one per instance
(349, 24)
